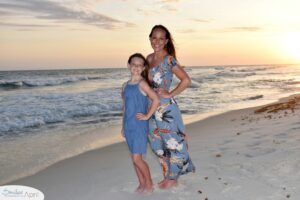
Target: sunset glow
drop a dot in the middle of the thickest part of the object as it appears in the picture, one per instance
(94, 34)
(291, 43)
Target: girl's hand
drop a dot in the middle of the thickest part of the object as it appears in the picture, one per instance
(164, 93)
(141, 116)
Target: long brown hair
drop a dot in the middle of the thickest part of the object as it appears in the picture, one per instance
(146, 65)
(170, 48)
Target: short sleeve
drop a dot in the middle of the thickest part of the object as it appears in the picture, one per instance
(172, 62)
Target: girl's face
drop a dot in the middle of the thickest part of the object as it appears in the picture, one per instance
(158, 40)
(136, 66)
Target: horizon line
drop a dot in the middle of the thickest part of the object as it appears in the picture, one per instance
(191, 66)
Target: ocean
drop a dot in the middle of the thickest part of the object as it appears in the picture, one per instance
(50, 115)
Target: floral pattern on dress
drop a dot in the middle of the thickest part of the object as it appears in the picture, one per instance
(166, 137)
(173, 144)
(157, 78)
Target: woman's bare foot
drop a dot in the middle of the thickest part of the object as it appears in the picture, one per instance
(161, 183)
(168, 184)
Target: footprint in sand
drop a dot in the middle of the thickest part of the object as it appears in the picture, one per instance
(255, 144)
(223, 148)
(258, 137)
(295, 128)
(256, 152)
(281, 135)
(297, 123)
(226, 142)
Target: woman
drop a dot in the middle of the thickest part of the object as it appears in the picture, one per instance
(167, 137)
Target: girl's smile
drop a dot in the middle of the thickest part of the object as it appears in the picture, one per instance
(136, 66)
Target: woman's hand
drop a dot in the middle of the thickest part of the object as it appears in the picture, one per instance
(163, 93)
(141, 116)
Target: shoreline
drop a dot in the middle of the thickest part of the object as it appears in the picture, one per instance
(117, 139)
(84, 141)
(234, 153)
(99, 144)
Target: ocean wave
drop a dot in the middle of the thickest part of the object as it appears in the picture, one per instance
(293, 83)
(279, 80)
(43, 82)
(90, 104)
(11, 84)
(254, 69)
(234, 74)
(19, 112)
(219, 68)
(198, 79)
(194, 84)
(10, 124)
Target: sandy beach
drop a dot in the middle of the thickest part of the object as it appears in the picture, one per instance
(244, 154)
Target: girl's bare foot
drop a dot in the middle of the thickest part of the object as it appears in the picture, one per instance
(168, 184)
(140, 189)
(148, 189)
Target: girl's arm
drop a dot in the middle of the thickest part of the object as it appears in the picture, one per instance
(154, 98)
(185, 81)
(123, 109)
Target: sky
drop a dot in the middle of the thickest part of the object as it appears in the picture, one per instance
(53, 34)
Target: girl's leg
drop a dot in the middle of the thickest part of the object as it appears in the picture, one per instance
(141, 178)
(143, 171)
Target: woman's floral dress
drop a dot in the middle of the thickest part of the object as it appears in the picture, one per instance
(167, 137)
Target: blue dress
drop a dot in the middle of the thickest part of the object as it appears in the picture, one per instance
(166, 134)
(135, 130)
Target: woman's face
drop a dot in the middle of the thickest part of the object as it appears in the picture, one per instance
(158, 40)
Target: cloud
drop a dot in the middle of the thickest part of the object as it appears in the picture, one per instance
(169, 8)
(186, 31)
(168, 1)
(54, 11)
(201, 20)
(242, 29)
(25, 25)
(147, 12)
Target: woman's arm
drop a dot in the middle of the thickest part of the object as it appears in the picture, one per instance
(149, 59)
(185, 81)
(154, 98)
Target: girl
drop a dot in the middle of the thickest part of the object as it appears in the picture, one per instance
(135, 115)
(167, 137)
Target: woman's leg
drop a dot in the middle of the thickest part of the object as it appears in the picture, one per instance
(156, 144)
(164, 165)
(177, 157)
(168, 183)
(143, 171)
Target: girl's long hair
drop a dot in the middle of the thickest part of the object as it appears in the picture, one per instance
(170, 48)
(146, 65)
